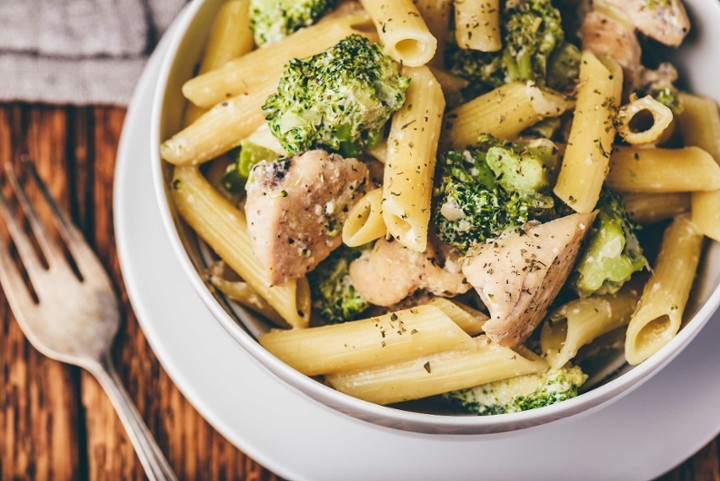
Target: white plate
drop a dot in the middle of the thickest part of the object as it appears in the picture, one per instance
(637, 438)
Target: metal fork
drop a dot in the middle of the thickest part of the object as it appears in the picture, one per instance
(71, 318)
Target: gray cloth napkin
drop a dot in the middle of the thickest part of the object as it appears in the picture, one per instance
(78, 51)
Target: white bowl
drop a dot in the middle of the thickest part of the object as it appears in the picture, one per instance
(185, 50)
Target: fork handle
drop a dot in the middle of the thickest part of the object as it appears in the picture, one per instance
(151, 457)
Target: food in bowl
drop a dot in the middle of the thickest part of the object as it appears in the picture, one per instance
(452, 222)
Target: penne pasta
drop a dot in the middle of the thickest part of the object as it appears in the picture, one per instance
(468, 319)
(580, 322)
(365, 222)
(410, 166)
(245, 295)
(651, 208)
(218, 130)
(644, 121)
(634, 169)
(425, 376)
(659, 314)
(477, 25)
(504, 113)
(379, 151)
(367, 343)
(700, 126)
(592, 133)
(436, 14)
(402, 30)
(265, 65)
(230, 37)
(223, 227)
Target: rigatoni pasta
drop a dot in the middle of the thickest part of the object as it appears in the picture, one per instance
(504, 113)
(403, 32)
(477, 25)
(425, 376)
(587, 155)
(658, 171)
(659, 314)
(436, 14)
(581, 321)
(224, 228)
(651, 208)
(412, 147)
(367, 343)
(644, 121)
(365, 221)
(700, 126)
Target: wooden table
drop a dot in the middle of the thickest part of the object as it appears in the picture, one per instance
(55, 421)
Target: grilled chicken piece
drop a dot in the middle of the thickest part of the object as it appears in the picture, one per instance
(296, 207)
(390, 273)
(664, 20)
(606, 32)
(519, 275)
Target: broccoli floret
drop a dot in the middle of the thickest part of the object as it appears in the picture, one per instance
(533, 49)
(491, 189)
(564, 68)
(612, 253)
(333, 293)
(340, 99)
(520, 393)
(272, 20)
(238, 172)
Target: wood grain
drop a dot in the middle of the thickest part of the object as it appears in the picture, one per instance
(55, 421)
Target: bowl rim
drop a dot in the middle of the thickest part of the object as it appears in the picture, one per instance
(585, 403)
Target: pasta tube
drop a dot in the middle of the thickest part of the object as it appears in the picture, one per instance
(579, 322)
(265, 65)
(477, 25)
(402, 30)
(436, 14)
(242, 293)
(659, 314)
(651, 208)
(367, 343)
(365, 221)
(412, 148)
(430, 375)
(634, 169)
(700, 126)
(220, 129)
(470, 320)
(592, 133)
(644, 121)
(230, 37)
(504, 113)
(223, 227)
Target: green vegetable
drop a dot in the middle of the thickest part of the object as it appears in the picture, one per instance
(492, 189)
(333, 293)
(238, 172)
(612, 253)
(533, 49)
(272, 20)
(668, 96)
(340, 99)
(520, 393)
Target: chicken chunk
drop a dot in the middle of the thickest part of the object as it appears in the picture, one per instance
(663, 20)
(519, 275)
(605, 32)
(296, 207)
(390, 273)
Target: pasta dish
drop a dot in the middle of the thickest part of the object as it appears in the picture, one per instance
(468, 201)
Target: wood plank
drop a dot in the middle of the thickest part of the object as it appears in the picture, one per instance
(38, 410)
